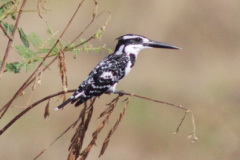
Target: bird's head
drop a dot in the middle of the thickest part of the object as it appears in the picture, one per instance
(131, 43)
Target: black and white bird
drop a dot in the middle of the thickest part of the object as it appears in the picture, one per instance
(106, 75)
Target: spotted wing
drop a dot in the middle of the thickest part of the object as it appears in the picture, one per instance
(100, 80)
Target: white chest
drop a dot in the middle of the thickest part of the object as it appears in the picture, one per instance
(128, 68)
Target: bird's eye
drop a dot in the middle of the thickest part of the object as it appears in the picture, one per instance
(138, 39)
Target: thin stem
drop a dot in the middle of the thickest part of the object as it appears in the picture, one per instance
(5, 107)
(29, 108)
(5, 32)
(27, 83)
(44, 59)
(154, 100)
(66, 49)
(10, 41)
(65, 131)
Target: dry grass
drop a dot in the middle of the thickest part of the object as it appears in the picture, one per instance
(110, 133)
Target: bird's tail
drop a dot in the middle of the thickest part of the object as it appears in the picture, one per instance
(63, 104)
(80, 101)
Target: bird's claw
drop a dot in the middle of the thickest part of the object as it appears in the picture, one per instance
(120, 92)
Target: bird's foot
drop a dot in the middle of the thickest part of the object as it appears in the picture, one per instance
(120, 92)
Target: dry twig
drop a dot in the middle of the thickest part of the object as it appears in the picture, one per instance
(63, 72)
(40, 5)
(193, 133)
(46, 112)
(78, 138)
(110, 133)
(64, 132)
(9, 124)
(107, 113)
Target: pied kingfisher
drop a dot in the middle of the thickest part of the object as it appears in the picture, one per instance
(105, 76)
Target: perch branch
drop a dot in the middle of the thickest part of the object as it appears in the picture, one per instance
(29, 108)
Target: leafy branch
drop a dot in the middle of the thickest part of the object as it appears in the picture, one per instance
(10, 41)
(52, 52)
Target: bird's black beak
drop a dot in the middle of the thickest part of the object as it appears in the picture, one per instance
(155, 44)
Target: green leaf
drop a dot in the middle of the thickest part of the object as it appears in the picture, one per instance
(97, 50)
(76, 50)
(99, 33)
(49, 31)
(8, 27)
(109, 50)
(13, 16)
(56, 49)
(8, 8)
(26, 67)
(26, 53)
(23, 37)
(29, 66)
(34, 39)
(43, 51)
(6, 0)
(14, 67)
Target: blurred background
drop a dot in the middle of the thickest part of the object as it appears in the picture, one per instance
(203, 76)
